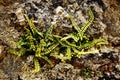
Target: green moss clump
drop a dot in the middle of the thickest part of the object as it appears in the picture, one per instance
(46, 44)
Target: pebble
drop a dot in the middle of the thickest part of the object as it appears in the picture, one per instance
(1, 7)
(60, 11)
(1, 51)
(118, 66)
(20, 16)
(71, 1)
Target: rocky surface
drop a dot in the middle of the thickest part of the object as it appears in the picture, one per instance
(106, 25)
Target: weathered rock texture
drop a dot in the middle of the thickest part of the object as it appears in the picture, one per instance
(46, 12)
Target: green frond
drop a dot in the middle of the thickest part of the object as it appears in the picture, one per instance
(73, 36)
(19, 53)
(85, 26)
(89, 22)
(39, 33)
(52, 47)
(69, 53)
(32, 27)
(38, 52)
(42, 44)
(36, 65)
(80, 53)
(92, 43)
(47, 59)
(76, 26)
(70, 44)
(31, 24)
(49, 32)
(61, 57)
(62, 43)
(21, 43)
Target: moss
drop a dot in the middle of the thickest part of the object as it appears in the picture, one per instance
(46, 44)
(86, 73)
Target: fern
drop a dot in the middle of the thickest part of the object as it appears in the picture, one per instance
(46, 44)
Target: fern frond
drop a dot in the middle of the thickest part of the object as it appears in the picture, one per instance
(52, 47)
(69, 53)
(39, 33)
(85, 26)
(47, 59)
(31, 24)
(89, 22)
(36, 65)
(61, 57)
(62, 43)
(79, 53)
(74, 36)
(42, 44)
(19, 53)
(38, 52)
(49, 31)
(21, 43)
(76, 27)
(32, 28)
(71, 44)
(92, 43)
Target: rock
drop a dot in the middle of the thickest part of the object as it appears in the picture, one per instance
(8, 2)
(2, 51)
(118, 67)
(1, 8)
(20, 16)
(112, 29)
(10, 67)
(47, 12)
(71, 1)
(3, 76)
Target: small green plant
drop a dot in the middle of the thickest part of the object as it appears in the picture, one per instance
(43, 45)
(86, 72)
